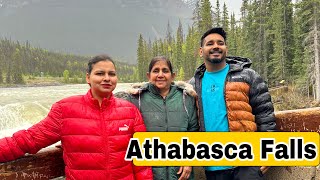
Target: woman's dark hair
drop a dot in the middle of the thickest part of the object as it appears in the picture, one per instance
(98, 58)
(160, 58)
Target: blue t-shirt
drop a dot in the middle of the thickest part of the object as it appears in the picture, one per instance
(214, 105)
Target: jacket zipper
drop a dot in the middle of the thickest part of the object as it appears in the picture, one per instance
(104, 133)
(224, 97)
(165, 109)
(200, 103)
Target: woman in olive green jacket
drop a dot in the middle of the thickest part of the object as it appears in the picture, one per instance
(166, 107)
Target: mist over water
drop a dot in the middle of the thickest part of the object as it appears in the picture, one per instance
(21, 107)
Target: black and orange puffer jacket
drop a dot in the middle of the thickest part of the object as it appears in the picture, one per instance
(248, 102)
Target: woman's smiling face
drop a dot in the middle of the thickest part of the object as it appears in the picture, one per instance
(102, 79)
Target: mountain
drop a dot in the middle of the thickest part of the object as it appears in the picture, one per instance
(90, 27)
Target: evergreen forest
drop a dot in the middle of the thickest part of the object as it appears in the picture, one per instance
(281, 37)
(22, 62)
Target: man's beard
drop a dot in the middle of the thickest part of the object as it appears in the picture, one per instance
(215, 60)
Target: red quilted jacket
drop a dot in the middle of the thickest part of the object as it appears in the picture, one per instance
(94, 139)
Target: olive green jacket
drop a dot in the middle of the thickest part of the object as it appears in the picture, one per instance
(176, 112)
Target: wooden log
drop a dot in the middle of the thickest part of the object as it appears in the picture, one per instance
(46, 164)
(299, 120)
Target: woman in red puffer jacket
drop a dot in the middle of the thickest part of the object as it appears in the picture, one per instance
(94, 130)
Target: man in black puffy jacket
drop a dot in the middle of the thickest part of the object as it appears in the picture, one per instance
(232, 97)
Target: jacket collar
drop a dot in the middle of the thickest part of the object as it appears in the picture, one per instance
(235, 63)
(138, 88)
(95, 103)
(154, 90)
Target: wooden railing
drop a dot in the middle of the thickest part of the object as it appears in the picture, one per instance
(300, 120)
(48, 163)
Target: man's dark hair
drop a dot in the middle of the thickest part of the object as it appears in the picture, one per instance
(217, 30)
(96, 59)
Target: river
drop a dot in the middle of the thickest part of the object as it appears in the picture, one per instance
(23, 106)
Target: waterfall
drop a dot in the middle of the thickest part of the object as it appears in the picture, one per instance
(24, 106)
(11, 116)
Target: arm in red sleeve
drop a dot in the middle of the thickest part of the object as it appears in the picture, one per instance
(38, 136)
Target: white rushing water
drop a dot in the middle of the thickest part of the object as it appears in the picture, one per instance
(21, 107)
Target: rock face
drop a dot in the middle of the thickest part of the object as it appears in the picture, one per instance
(90, 27)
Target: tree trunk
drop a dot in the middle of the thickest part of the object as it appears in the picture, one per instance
(316, 60)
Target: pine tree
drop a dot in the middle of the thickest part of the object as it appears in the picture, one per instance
(225, 18)
(288, 38)
(147, 57)
(260, 43)
(161, 47)
(196, 18)
(141, 59)
(267, 47)
(181, 75)
(179, 52)
(169, 33)
(17, 68)
(155, 48)
(242, 30)
(191, 53)
(310, 11)
(299, 68)
(316, 46)
(247, 38)
(281, 59)
(172, 52)
(8, 75)
(205, 16)
(232, 37)
(217, 15)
